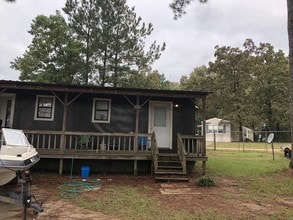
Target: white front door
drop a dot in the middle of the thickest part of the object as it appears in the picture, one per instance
(160, 122)
(6, 109)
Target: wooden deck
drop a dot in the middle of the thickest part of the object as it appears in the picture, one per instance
(112, 146)
(91, 145)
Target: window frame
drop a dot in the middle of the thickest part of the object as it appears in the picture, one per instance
(222, 129)
(95, 100)
(209, 129)
(219, 129)
(37, 107)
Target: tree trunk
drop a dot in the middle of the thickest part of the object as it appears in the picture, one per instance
(290, 38)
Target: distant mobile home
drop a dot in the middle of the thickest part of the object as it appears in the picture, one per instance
(221, 130)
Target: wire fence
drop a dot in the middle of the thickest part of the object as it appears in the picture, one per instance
(249, 140)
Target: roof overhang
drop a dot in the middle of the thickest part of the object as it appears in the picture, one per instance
(7, 84)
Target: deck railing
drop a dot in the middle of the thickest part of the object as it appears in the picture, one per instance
(194, 145)
(181, 152)
(89, 141)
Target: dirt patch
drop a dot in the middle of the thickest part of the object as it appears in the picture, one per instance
(177, 189)
(225, 199)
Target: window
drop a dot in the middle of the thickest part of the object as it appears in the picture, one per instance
(216, 129)
(210, 129)
(44, 109)
(222, 129)
(101, 110)
(160, 118)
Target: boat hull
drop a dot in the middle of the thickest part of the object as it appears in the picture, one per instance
(9, 166)
(6, 175)
(16, 154)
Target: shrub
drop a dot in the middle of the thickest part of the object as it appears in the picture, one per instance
(205, 181)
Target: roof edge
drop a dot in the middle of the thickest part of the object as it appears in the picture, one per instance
(9, 84)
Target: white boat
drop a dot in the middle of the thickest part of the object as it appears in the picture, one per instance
(16, 154)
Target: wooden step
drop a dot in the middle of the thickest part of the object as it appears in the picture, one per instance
(169, 164)
(168, 154)
(171, 178)
(170, 167)
(167, 172)
(165, 159)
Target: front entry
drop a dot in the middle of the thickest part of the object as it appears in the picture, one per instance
(160, 122)
(6, 109)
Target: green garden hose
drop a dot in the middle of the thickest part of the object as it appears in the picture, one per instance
(71, 190)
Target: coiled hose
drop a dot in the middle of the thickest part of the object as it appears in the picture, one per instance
(71, 190)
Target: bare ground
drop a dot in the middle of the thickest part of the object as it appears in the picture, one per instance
(225, 199)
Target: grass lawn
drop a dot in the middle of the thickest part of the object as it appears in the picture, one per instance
(258, 169)
(263, 182)
(246, 165)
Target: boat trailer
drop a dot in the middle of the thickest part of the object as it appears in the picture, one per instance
(22, 196)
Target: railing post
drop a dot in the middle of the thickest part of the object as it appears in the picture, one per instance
(135, 142)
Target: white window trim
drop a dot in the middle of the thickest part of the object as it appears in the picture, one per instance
(37, 105)
(94, 111)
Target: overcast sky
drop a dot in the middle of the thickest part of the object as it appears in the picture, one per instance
(190, 40)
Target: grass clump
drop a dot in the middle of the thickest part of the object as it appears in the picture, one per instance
(205, 181)
(272, 185)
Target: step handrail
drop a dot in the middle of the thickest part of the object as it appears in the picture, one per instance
(181, 152)
(155, 152)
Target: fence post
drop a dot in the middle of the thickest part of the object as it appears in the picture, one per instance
(215, 143)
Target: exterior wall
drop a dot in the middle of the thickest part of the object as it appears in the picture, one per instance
(235, 133)
(25, 109)
(79, 113)
(248, 134)
(183, 119)
(220, 137)
(122, 115)
(218, 130)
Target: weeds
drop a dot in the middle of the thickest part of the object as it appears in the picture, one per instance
(205, 181)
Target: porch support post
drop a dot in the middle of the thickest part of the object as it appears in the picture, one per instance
(137, 109)
(62, 141)
(204, 124)
(203, 167)
(60, 167)
(135, 167)
(204, 135)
